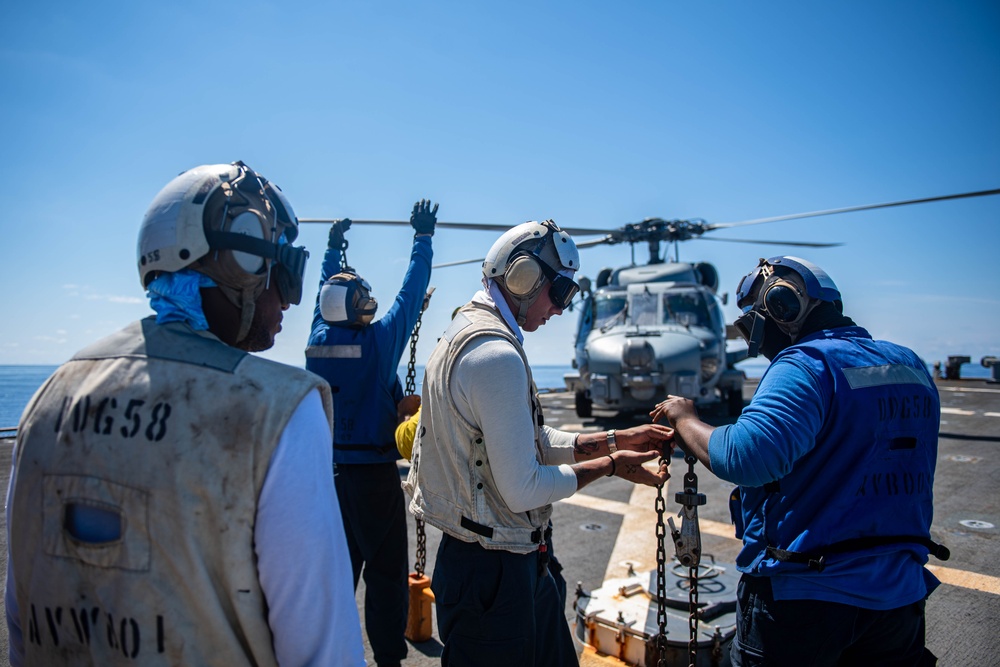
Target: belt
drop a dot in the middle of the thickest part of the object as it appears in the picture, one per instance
(817, 560)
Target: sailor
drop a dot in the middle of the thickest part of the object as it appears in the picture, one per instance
(171, 502)
(485, 470)
(359, 357)
(834, 458)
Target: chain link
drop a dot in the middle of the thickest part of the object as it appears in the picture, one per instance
(691, 488)
(344, 266)
(411, 366)
(661, 575)
(411, 388)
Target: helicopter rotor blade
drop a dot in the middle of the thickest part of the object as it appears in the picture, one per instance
(849, 209)
(802, 244)
(474, 226)
(582, 245)
(460, 263)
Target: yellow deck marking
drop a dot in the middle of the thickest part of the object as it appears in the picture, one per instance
(636, 541)
(595, 503)
(963, 579)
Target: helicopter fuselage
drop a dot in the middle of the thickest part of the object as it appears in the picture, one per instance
(649, 331)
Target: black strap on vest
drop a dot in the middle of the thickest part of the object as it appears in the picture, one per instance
(486, 531)
(817, 561)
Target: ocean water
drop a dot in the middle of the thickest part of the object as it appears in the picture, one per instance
(19, 383)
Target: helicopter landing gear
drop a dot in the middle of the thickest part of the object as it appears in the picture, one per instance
(734, 402)
(584, 404)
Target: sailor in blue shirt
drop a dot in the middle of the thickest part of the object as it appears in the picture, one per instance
(359, 358)
(834, 458)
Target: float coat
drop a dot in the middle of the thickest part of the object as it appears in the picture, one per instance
(171, 431)
(450, 453)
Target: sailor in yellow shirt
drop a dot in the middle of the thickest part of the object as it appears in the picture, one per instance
(408, 413)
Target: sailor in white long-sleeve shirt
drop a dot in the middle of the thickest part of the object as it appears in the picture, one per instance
(486, 470)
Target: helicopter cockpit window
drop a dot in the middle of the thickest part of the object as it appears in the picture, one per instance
(687, 309)
(642, 310)
(608, 309)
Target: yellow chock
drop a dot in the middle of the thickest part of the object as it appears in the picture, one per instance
(418, 624)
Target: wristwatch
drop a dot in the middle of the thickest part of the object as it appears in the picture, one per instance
(612, 446)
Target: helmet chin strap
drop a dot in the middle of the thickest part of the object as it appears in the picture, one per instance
(246, 301)
(523, 304)
(246, 314)
(522, 312)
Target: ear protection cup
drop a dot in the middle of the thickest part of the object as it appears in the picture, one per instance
(523, 275)
(248, 223)
(784, 302)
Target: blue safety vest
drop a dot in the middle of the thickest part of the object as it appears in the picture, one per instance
(865, 487)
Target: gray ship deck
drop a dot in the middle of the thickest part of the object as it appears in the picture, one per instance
(611, 523)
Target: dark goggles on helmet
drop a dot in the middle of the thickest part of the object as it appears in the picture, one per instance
(289, 271)
(287, 263)
(562, 289)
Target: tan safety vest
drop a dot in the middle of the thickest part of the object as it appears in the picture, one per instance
(450, 479)
(172, 431)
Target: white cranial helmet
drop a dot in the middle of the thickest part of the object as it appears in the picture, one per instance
(527, 256)
(229, 223)
(346, 300)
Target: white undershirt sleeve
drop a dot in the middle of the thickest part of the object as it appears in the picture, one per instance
(490, 388)
(303, 562)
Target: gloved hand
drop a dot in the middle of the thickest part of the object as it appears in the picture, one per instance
(424, 217)
(337, 233)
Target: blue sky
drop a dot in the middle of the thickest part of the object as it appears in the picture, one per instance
(591, 113)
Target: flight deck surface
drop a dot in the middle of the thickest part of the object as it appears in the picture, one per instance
(610, 525)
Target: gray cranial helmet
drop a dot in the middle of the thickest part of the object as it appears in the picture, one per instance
(230, 223)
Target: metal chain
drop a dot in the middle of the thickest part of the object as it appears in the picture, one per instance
(411, 388)
(411, 367)
(661, 575)
(691, 488)
(344, 266)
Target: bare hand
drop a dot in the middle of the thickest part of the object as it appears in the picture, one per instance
(646, 438)
(628, 465)
(673, 409)
(407, 407)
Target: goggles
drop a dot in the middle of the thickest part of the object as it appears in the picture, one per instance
(285, 262)
(289, 270)
(562, 289)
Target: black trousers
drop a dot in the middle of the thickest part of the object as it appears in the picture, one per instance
(803, 633)
(371, 503)
(498, 609)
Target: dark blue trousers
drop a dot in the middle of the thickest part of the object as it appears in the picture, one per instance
(496, 608)
(803, 633)
(371, 503)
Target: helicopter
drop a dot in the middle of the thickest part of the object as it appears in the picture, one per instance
(648, 330)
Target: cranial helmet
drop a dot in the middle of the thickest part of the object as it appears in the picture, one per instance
(229, 223)
(783, 290)
(529, 255)
(345, 300)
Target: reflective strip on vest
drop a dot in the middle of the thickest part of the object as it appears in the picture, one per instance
(334, 351)
(878, 376)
